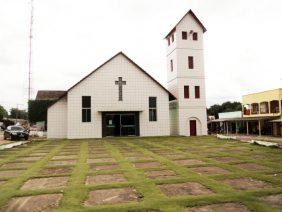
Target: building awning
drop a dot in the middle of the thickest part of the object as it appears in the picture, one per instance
(119, 110)
(276, 120)
(244, 119)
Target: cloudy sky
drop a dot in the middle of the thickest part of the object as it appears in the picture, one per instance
(71, 37)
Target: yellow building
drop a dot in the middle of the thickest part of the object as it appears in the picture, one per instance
(266, 108)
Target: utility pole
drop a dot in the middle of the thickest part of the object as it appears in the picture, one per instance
(30, 50)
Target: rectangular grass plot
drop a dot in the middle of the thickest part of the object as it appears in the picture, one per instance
(112, 196)
(180, 189)
(45, 183)
(246, 183)
(43, 202)
(105, 179)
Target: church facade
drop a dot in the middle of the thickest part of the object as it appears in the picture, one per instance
(119, 98)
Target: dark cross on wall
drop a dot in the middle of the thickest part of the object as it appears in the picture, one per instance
(120, 83)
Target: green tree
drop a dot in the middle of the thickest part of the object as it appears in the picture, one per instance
(16, 113)
(37, 110)
(224, 107)
(3, 112)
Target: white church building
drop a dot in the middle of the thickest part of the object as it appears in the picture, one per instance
(119, 98)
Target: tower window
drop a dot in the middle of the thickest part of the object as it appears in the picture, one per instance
(197, 92)
(171, 65)
(190, 62)
(195, 36)
(184, 35)
(168, 41)
(186, 91)
(172, 37)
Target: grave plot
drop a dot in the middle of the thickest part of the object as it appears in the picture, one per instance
(189, 162)
(274, 201)
(10, 173)
(180, 189)
(223, 207)
(2, 182)
(34, 154)
(45, 183)
(252, 167)
(43, 202)
(105, 179)
(101, 160)
(62, 163)
(112, 196)
(160, 174)
(226, 159)
(246, 184)
(94, 167)
(210, 170)
(28, 159)
(139, 158)
(16, 165)
(64, 157)
(145, 165)
(56, 171)
(99, 155)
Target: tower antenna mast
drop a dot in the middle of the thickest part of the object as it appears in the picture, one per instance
(30, 49)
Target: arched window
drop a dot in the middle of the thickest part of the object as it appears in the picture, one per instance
(255, 108)
(247, 110)
(274, 106)
(264, 107)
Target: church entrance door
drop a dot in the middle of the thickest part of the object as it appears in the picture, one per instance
(120, 124)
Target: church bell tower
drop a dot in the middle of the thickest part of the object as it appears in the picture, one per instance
(186, 77)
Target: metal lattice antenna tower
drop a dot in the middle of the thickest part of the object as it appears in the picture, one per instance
(30, 50)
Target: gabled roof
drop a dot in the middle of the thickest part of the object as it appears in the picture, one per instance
(171, 96)
(194, 16)
(49, 94)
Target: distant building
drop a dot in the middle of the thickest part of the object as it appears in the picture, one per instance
(265, 106)
(261, 115)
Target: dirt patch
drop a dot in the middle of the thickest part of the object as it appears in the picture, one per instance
(210, 170)
(274, 200)
(37, 154)
(226, 207)
(16, 165)
(2, 182)
(138, 158)
(174, 156)
(49, 171)
(61, 162)
(146, 165)
(189, 162)
(64, 157)
(246, 183)
(45, 183)
(105, 179)
(180, 189)
(160, 174)
(10, 173)
(112, 196)
(103, 167)
(29, 159)
(105, 155)
(251, 167)
(100, 160)
(44, 202)
(226, 159)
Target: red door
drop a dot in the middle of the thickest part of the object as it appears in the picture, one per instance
(193, 128)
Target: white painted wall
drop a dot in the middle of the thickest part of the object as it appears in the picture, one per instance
(104, 97)
(57, 119)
